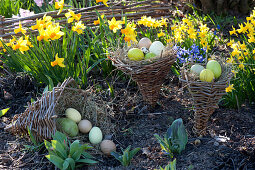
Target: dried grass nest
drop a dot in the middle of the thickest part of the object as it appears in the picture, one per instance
(40, 116)
(188, 76)
(119, 55)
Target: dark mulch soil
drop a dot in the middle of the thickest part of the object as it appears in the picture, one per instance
(230, 143)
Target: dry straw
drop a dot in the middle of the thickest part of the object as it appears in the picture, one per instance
(41, 115)
(205, 95)
(149, 74)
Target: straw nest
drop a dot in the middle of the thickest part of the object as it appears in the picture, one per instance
(121, 54)
(149, 74)
(205, 95)
(41, 115)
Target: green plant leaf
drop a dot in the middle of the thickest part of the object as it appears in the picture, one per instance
(71, 162)
(51, 84)
(65, 165)
(74, 147)
(116, 156)
(31, 136)
(88, 161)
(61, 137)
(3, 111)
(87, 155)
(57, 161)
(77, 155)
(133, 152)
(59, 147)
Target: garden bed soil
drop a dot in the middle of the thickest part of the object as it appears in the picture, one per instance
(229, 144)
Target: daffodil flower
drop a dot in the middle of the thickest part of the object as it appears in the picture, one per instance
(21, 45)
(96, 22)
(115, 25)
(103, 1)
(60, 6)
(72, 16)
(230, 88)
(58, 61)
(78, 27)
(161, 34)
(20, 29)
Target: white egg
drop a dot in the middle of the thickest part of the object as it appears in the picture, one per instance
(157, 47)
(95, 135)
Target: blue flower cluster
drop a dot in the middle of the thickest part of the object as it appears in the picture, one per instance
(193, 53)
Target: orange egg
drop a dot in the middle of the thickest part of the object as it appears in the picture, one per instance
(107, 146)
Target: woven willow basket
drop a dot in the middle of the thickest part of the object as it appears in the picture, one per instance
(41, 115)
(205, 96)
(149, 74)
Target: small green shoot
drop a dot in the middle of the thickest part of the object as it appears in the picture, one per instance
(127, 155)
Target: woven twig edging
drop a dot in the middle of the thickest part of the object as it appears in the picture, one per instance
(132, 11)
(41, 115)
(205, 96)
(149, 77)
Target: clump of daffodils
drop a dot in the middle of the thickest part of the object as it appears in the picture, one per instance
(243, 51)
(187, 30)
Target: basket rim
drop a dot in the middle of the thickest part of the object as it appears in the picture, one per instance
(219, 81)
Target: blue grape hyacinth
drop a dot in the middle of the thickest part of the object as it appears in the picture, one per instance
(193, 53)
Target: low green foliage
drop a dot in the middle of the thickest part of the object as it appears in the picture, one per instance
(36, 146)
(9, 7)
(65, 155)
(127, 155)
(175, 139)
(170, 166)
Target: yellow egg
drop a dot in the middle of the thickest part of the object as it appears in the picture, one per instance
(107, 146)
(73, 114)
(206, 75)
(144, 42)
(84, 126)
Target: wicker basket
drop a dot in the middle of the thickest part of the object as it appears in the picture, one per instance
(149, 75)
(41, 115)
(205, 95)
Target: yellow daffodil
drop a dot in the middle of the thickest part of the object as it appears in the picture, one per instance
(230, 88)
(130, 33)
(103, 1)
(60, 6)
(161, 34)
(11, 42)
(230, 43)
(72, 16)
(52, 32)
(146, 21)
(58, 61)
(20, 29)
(96, 22)
(78, 27)
(253, 51)
(242, 29)
(230, 60)
(21, 45)
(157, 24)
(233, 31)
(164, 21)
(115, 25)
(241, 66)
(251, 39)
